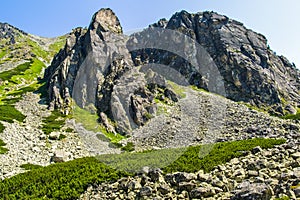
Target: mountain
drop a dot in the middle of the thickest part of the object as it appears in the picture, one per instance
(194, 107)
(17, 47)
(118, 74)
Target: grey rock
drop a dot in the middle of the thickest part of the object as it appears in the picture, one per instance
(201, 192)
(248, 191)
(145, 191)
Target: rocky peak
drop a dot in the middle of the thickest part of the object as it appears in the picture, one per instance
(251, 71)
(8, 31)
(98, 66)
(105, 20)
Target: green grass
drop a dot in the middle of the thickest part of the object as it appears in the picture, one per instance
(56, 46)
(20, 80)
(3, 52)
(90, 122)
(292, 116)
(178, 89)
(8, 113)
(129, 147)
(2, 149)
(58, 181)
(54, 122)
(30, 166)
(20, 69)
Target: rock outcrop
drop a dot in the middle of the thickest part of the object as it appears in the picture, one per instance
(102, 67)
(251, 71)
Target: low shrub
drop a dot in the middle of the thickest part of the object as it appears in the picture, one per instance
(129, 147)
(30, 166)
(54, 122)
(58, 181)
(8, 113)
(219, 153)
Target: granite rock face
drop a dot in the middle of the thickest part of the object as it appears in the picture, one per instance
(251, 71)
(100, 66)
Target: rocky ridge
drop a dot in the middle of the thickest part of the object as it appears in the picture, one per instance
(17, 47)
(251, 71)
(101, 67)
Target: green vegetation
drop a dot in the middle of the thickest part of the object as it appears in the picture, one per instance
(190, 159)
(69, 130)
(134, 162)
(20, 69)
(292, 116)
(198, 89)
(90, 122)
(20, 80)
(58, 44)
(2, 149)
(129, 147)
(68, 180)
(220, 153)
(8, 113)
(58, 181)
(54, 122)
(1, 127)
(30, 166)
(178, 89)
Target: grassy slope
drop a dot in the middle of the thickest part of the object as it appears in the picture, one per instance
(89, 122)
(23, 78)
(68, 180)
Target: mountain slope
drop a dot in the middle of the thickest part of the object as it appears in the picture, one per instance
(147, 87)
(16, 47)
(121, 76)
(251, 71)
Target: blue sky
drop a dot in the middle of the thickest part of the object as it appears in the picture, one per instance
(276, 19)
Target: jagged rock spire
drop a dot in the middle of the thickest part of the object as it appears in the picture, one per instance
(106, 20)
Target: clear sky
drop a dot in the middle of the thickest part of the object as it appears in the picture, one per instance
(278, 20)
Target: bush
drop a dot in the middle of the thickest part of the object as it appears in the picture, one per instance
(30, 166)
(190, 159)
(2, 149)
(58, 181)
(54, 122)
(219, 153)
(8, 113)
(129, 147)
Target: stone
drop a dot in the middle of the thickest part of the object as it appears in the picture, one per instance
(183, 177)
(252, 173)
(54, 135)
(201, 192)
(186, 186)
(203, 177)
(59, 156)
(145, 191)
(256, 150)
(155, 175)
(296, 155)
(248, 191)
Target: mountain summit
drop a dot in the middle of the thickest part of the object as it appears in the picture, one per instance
(93, 62)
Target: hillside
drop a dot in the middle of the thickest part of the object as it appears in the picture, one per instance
(194, 107)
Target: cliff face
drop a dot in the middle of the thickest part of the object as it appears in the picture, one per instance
(251, 71)
(100, 68)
